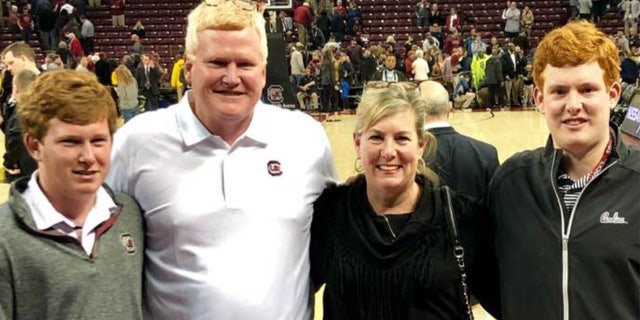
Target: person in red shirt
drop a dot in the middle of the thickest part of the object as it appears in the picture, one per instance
(453, 20)
(303, 17)
(408, 64)
(25, 23)
(75, 47)
(453, 41)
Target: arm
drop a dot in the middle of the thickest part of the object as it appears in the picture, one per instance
(6, 286)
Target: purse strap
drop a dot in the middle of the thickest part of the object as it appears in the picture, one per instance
(458, 250)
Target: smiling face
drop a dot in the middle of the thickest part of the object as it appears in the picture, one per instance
(577, 104)
(390, 150)
(227, 80)
(73, 160)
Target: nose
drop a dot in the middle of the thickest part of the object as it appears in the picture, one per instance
(230, 77)
(87, 155)
(388, 150)
(574, 101)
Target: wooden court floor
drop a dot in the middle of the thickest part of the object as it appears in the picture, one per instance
(508, 131)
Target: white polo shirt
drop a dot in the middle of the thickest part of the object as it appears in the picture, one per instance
(227, 226)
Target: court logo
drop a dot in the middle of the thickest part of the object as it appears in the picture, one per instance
(275, 94)
(274, 169)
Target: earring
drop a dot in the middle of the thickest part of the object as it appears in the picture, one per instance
(357, 165)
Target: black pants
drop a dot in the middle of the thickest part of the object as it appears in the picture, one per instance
(152, 100)
(87, 45)
(494, 92)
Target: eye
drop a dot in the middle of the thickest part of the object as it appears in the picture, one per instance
(403, 139)
(99, 141)
(376, 137)
(69, 142)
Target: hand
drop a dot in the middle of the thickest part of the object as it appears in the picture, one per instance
(14, 172)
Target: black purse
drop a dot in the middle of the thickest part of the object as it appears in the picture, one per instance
(458, 250)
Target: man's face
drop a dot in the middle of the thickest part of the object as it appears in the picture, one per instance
(517, 50)
(576, 104)
(227, 81)
(146, 60)
(390, 62)
(73, 160)
(14, 64)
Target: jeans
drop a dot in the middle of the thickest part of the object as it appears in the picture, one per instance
(127, 114)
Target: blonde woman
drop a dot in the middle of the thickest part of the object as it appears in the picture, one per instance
(127, 90)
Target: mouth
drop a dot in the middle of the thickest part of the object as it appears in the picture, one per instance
(574, 122)
(228, 93)
(85, 174)
(388, 167)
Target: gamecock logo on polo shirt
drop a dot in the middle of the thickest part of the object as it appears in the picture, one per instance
(128, 243)
(274, 169)
(275, 94)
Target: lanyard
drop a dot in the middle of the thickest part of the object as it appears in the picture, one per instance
(598, 168)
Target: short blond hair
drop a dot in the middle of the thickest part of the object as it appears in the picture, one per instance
(226, 15)
(67, 95)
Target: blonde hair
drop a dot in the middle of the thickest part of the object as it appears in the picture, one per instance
(23, 79)
(67, 95)
(574, 44)
(379, 103)
(124, 75)
(226, 15)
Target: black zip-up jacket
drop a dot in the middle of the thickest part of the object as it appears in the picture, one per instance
(587, 270)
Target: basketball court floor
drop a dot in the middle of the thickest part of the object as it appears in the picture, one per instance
(508, 131)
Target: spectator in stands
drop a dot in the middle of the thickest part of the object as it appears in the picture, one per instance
(103, 69)
(584, 9)
(47, 25)
(368, 67)
(453, 20)
(354, 18)
(307, 89)
(389, 73)
(70, 9)
(136, 49)
(61, 23)
(574, 12)
(510, 64)
(527, 20)
(324, 23)
(148, 75)
(339, 8)
(326, 5)
(80, 6)
(464, 164)
(408, 64)
(138, 29)
(629, 69)
(328, 82)
(478, 45)
(631, 14)
(452, 42)
(346, 79)
(437, 69)
(354, 52)
(14, 18)
(527, 81)
(95, 3)
(338, 26)
(420, 67)
(598, 10)
(296, 64)
(429, 42)
(83, 65)
(117, 9)
(522, 41)
(17, 161)
(512, 21)
(493, 43)
(435, 16)
(127, 91)
(468, 41)
(55, 62)
(86, 35)
(463, 95)
(422, 14)
(568, 192)
(302, 18)
(622, 43)
(177, 73)
(478, 67)
(494, 78)
(19, 56)
(25, 23)
(65, 233)
(75, 47)
(436, 32)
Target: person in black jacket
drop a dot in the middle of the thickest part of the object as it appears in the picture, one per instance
(380, 244)
(566, 216)
(463, 163)
(17, 161)
(494, 79)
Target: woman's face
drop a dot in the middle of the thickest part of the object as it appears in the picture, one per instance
(390, 151)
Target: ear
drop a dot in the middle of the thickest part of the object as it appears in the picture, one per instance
(538, 97)
(614, 93)
(356, 143)
(188, 66)
(33, 146)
